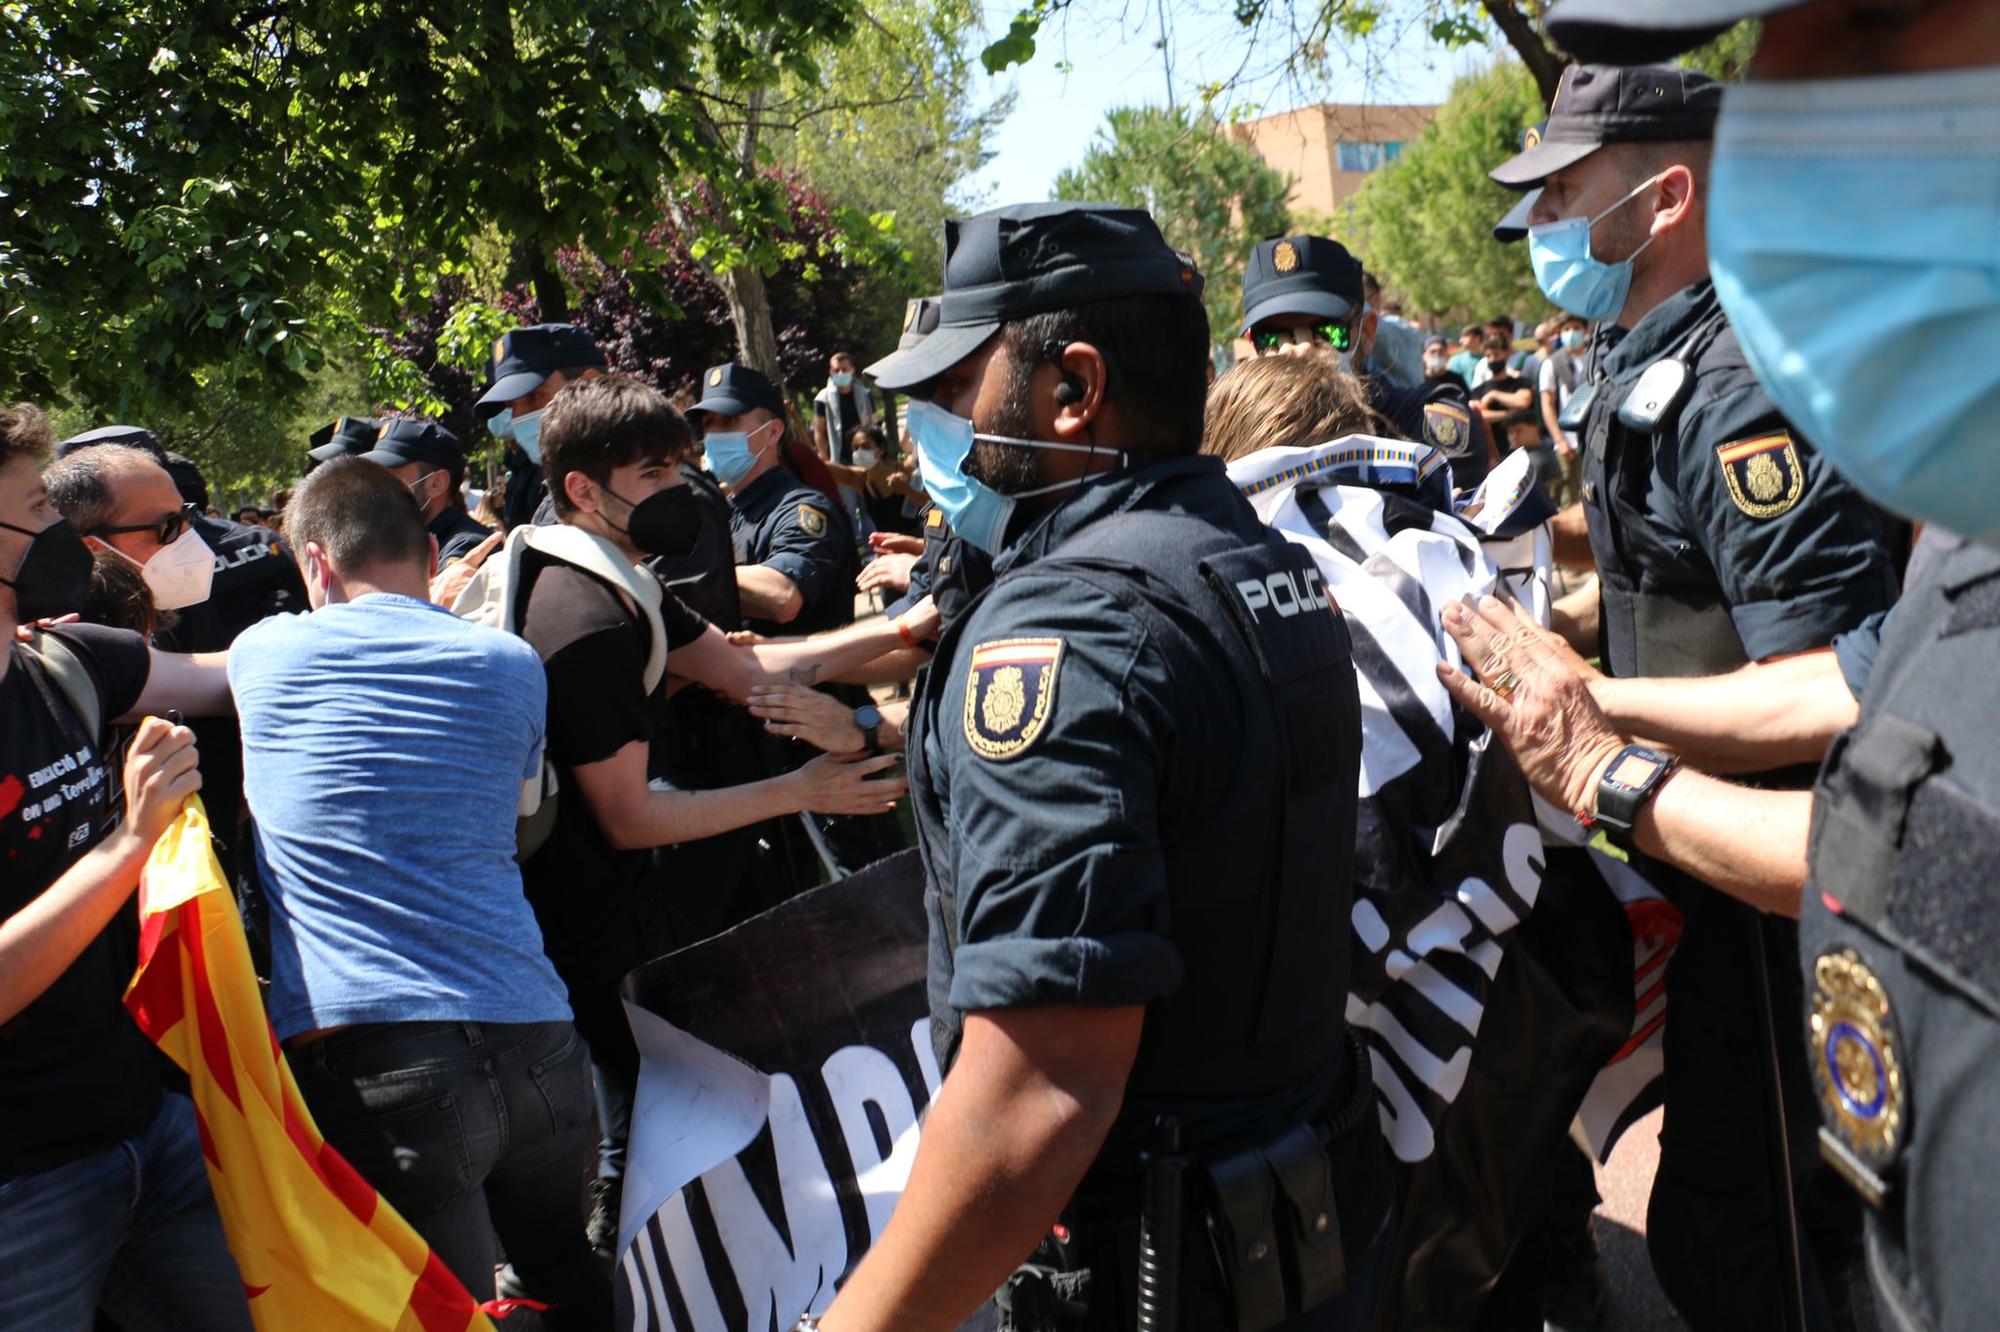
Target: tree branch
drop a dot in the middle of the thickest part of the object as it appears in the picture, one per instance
(1521, 33)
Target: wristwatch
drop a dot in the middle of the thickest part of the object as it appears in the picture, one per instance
(1634, 775)
(868, 719)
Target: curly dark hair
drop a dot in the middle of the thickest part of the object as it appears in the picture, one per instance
(24, 433)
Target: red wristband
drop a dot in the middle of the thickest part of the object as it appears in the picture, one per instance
(903, 632)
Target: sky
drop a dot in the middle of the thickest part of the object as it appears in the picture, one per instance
(1112, 48)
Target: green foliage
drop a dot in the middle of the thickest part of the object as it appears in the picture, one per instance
(1727, 56)
(195, 195)
(1424, 223)
(891, 131)
(1211, 194)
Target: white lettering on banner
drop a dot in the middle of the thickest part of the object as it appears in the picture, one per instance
(1282, 593)
(766, 1234)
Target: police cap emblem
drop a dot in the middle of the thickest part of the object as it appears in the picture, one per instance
(811, 521)
(909, 314)
(1010, 693)
(1764, 476)
(715, 376)
(499, 349)
(1857, 1069)
(1285, 257)
(1531, 137)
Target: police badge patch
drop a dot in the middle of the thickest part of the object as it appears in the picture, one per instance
(1764, 475)
(1857, 1069)
(1009, 694)
(811, 521)
(715, 376)
(1285, 257)
(1449, 427)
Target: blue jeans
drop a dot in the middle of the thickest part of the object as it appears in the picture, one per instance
(468, 1129)
(132, 1228)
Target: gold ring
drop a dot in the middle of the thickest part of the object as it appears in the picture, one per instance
(1505, 683)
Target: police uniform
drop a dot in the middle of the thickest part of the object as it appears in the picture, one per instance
(1720, 538)
(522, 359)
(1315, 277)
(951, 571)
(1131, 766)
(411, 441)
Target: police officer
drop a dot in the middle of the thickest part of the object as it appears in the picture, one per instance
(429, 459)
(1851, 180)
(1304, 289)
(1720, 538)
(530, 366)
(795, 553)
(341, 436)
(1132, 767)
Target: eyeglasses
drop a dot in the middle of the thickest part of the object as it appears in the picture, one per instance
(168, 529)
(1270, 339)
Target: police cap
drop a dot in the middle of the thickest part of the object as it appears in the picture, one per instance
(132, 437)
(1596, 105)
(1028, 259)
(730, 389)
(1514, 226)
(920, 320)
(188, 480)
(343, 435)
(1637, 32)
(408, 441)
(525, 357)
(1300, 275)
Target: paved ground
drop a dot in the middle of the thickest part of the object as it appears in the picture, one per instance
(1636, 1302)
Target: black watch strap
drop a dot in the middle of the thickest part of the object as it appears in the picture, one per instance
(868, 720)
(1635, 773)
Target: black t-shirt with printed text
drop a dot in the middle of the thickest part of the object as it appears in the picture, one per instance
(76, 1074)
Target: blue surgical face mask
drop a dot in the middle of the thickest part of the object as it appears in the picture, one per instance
(1573, 338)
(729, 454)
(1570, 275)
(525, 431)
(976, 511)
(1873, 199)
(841, 378)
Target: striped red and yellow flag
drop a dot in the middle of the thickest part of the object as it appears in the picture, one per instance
(317, 1246)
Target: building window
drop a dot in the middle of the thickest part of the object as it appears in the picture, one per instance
(1367, 156)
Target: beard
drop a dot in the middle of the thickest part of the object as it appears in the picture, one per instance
(1008, 468)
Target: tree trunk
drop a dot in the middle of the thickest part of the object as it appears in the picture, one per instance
(1543, 61)
(750, 311)
(551, 296)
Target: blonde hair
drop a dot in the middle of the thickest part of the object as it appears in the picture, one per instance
(1286, 401)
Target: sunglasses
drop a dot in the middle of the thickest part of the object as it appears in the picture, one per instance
(167, 529)
(1270, 339)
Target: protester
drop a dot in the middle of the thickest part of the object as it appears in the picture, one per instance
(104, 1201)
(429, 1034)
(1465, 362)
(610, 448)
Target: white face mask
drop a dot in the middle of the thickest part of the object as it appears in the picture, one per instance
(864, 458)
(177, 575)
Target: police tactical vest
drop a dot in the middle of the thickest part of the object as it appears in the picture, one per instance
(1657, 618)
(1260, 884)
(1900, 942)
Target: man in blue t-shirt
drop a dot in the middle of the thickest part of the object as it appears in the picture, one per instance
(385, 742)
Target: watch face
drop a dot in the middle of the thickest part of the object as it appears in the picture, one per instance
(1632, 771)
(867, 715)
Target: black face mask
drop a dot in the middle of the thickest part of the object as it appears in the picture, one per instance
(54, 574)
(666, 522)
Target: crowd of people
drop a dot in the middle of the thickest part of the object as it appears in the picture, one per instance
(467, 770)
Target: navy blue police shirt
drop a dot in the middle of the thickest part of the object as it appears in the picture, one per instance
(1725, 501)
(780, 522)
(457, 532)
(1068, 760)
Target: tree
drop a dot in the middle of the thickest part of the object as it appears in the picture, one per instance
(1211, 194)
(195, 189)
(1424, 223)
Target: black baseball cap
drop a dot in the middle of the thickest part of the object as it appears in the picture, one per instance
(1597, 105)
(132, 437)
(730, 389)
(1300, 275)
(1638, 32)
(525, 357)
(343, 435)
(188, 480)
(1514, 226)
(410, 440)
(1027, 259)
